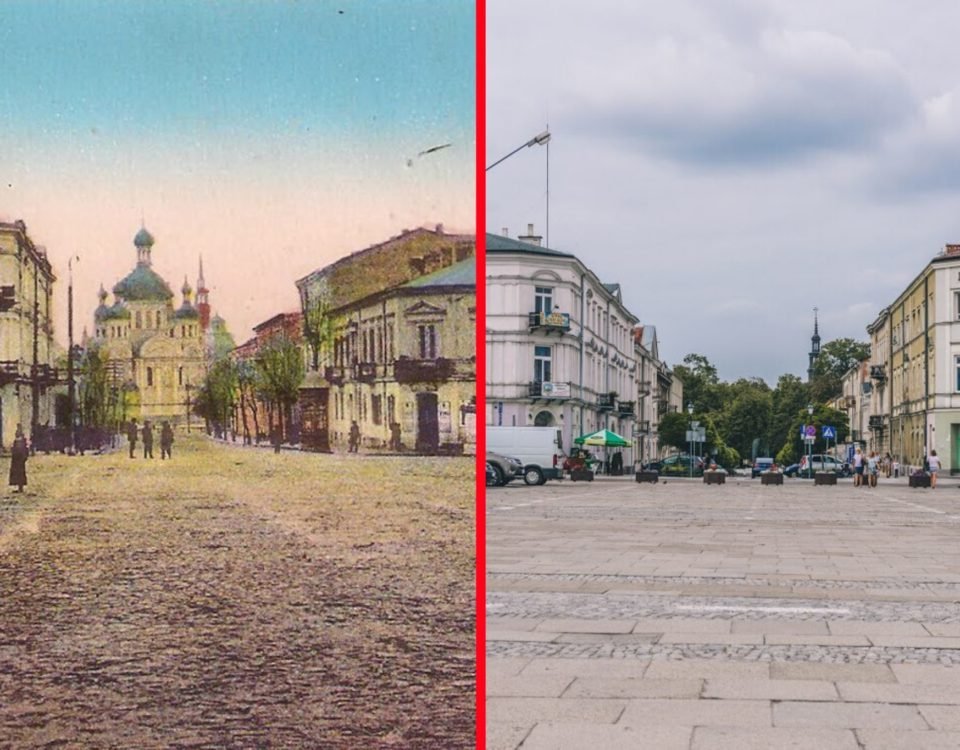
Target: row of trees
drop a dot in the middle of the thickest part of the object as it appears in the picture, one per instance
(747, 417)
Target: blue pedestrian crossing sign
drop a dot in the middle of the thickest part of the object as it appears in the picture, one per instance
(829, 432)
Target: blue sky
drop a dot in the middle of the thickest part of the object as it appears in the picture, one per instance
(246, 131)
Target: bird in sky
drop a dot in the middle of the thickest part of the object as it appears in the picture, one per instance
(430, 150)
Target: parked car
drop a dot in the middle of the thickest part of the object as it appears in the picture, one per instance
(678, 465)
(761, 465)
(820, 462)
(505, 468)
(493, 479)
(537, 448)
(651, 466)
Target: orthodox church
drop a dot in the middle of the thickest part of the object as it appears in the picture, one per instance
(155, 354)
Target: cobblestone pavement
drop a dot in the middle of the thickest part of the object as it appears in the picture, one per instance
(233, 598)
(685, 616)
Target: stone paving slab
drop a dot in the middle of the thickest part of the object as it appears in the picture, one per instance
(886, 739)
(783, 627)
(632, 669)
(926, 674)
(847, 715)
(725, 738)
(817, 640)
(832, 672)
(678, 712)
(528, 686)
(900, 693)
(701, 669)
(524, 711)
(568, 736)
(505, 736)
(745, 689)
(605, 687)
(942, 717)
(586, 626)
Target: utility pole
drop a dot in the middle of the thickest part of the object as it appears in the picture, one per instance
(71, 385)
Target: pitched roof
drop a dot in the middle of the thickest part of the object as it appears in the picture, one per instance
(462, 273)
(499, 244)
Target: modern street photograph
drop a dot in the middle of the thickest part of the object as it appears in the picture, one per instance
(238, 374)
(722, 375)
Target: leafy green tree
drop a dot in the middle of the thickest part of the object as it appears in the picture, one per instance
(747, 414)
(672, 429)
(701, 384)
(280, 372)
(835, 360)
(217, 395)
(93, 389)
(789, 397)
(319, 327)
(794, 447)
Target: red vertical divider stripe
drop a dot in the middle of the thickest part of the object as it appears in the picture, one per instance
(481, 416)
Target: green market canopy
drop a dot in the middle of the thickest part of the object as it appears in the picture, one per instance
(602, 437)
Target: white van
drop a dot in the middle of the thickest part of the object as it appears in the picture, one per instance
(538, 449)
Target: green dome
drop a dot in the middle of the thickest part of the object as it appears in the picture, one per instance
(143, 238)
(186, 312)
(143, 285)
(117, 312)
(100, 312)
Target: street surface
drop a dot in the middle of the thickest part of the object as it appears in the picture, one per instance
(681, 616)
(233, 598)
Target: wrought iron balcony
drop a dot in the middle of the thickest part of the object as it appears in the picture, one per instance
(9, 371)
(644, 387)
(365, 372)
(878, 372)
(642, 427)
(555, 321)
(406, 370)
(876, 422)
(335, 375)
(607, 401)
(626, 408)
(548, 390)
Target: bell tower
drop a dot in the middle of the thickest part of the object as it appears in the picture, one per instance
(814, 346)
(203, 303)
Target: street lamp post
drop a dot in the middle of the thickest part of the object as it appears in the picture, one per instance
(809, 445)
(542, 139)
(71, 384)
(187, 386)
(690, 414)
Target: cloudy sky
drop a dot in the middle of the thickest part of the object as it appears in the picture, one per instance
(732, 163)
(272, 136)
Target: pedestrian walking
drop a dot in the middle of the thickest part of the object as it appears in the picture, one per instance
(353, 445)
(888, 464)
(147, 440)
(395, 436)
(933, 462)
(166, 441)
(132, 434)
(857, 468)
(872, 468)
(18, 460)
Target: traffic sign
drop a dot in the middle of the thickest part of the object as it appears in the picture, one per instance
(830, 432)
(810, 431)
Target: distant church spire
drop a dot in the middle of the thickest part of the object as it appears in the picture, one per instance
(814, 345)
(203, 303)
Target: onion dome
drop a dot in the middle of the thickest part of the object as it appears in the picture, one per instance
(186, 312)
(143, 284)
(117, 312)
(143, 238)
(185, 290)
(102, 307)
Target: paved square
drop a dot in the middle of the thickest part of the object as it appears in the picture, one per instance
(725, 616)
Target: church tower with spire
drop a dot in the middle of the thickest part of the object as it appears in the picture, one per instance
(203, 302)
(814, 346)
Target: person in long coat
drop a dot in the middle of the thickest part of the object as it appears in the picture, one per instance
(166, 441)
(147, 440)
(18, 463)
(132, 435)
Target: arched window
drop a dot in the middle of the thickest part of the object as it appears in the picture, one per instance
(543, 419)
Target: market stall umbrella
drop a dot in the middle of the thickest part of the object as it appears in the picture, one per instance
(602, 437)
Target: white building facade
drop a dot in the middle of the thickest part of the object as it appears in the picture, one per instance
(560, 346)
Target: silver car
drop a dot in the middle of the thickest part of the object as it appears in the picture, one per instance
(505, 468)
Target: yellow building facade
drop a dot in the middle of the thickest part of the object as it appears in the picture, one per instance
(28, 372)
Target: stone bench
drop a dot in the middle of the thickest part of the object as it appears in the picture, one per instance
(824, 477)
(648, 476)
(714, 477)
(771, 477)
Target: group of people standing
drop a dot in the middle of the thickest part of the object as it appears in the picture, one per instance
(866, 468)
(146, 434)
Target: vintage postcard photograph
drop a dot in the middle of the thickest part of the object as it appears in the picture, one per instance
(237, 374)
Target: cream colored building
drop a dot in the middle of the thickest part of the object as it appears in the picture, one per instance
(405, 357)
(28, 354)
(658, 392)
(154, 352)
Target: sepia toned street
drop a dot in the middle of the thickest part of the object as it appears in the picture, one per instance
(681, 616)
(232, 597)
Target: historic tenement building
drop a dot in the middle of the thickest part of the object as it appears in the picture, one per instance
(561, 347)
(355, 373)
(155, 352)
(28, 355)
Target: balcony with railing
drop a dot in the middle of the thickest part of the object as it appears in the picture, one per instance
(335, 375)
(876, 422)
(644, 388)
(626, 408)
(642, 427)
(549, 322)
(607, 401)
(878, 372)
(550, 390)
(365, 372)
(406, 370)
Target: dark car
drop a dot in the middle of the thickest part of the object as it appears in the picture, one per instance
(679, 465)
(505, 468)
(761, 465)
